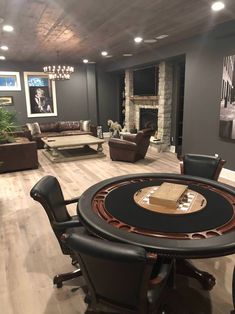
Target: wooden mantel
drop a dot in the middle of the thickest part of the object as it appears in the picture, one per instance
(139, 98)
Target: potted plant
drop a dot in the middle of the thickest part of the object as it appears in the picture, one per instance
(7, 124)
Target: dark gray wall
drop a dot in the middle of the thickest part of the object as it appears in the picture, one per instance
(73, 101)
(108, 96)
(72, 97)
(202, 98)
(203, 76)
(77, 98)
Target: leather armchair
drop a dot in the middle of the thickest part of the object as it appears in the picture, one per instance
(201, 166)
(132, 147)
(122, 276)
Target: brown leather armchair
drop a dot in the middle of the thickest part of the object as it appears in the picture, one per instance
(132, 147)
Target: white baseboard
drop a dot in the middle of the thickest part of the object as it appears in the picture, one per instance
(227, 174)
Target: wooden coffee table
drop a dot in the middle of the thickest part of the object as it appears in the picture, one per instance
(72, 147)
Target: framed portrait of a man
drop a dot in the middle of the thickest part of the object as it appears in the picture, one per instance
(40, 95)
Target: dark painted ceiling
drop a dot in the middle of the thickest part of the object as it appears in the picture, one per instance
(83, 28)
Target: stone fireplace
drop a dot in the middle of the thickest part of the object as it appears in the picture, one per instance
(160, 103)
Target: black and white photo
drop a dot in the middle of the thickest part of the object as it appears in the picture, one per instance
(227, 104)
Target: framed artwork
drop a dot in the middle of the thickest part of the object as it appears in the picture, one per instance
(227, 101)
(9, 81)
(6, 100)
(40, 95)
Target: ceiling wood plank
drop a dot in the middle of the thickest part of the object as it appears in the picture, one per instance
(83, 28)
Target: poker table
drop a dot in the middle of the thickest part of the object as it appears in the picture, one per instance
(109, 210)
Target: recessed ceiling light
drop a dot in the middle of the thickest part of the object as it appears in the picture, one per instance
(217, 6)
(127, 55)
(161, 36)
(85, 60)
(138, 39)
(150, 41)
(104, 53)
(2, 58)
(8, 28)
(4, 48)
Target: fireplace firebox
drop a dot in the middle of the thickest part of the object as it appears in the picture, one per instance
(148, 118)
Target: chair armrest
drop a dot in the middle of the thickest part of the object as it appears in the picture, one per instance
(119, 143)
(17, 133)
(162, 274)
(129, 137)
(27, 132)
(28, 135)
(72, 200)
(181, 166)
(219, 168)
(93, 130)
(66, 224)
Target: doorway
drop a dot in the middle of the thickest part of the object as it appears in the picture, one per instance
(178, 104)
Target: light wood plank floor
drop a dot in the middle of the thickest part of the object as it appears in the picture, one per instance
(30, 255)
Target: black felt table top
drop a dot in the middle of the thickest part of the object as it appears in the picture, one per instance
(120, 203)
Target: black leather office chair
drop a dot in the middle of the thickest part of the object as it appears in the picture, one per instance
(201, 166)
(119, 275)
(48, 193)
(209, 167)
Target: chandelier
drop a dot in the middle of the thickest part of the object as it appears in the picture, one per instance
(58, 72)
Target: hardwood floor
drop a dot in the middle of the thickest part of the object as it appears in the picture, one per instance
(30, 255)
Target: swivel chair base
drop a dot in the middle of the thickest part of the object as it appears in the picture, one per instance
(58, 279)
(184, 267)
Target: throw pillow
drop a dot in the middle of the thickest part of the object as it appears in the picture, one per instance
(34, 128)
(85, 125)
